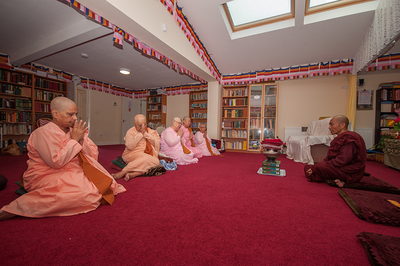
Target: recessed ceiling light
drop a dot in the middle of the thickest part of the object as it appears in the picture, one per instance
(124, 71)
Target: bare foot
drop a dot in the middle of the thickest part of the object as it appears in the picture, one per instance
(118, 175)
(131, 175)
(6, 215)
(339, 183)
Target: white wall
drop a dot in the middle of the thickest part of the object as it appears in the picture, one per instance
(177, 105)
(214, 110)
(105, 118)
(304, 100)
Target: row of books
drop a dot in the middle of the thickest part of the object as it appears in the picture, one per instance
(198, 105)
(234, 124)
(235, 92)
(234, 102)
(15, 90)
(153, 107)
(233, 113)
(46, 84)
(235, 145)
(20, 104)
(270, 111)
(197, 125)
(16, 129)
(154, 116)
(155, 99)
(16, 117)
(232, 133)
(198, 96)
(46, 95)
(6, 142)
(42, 107)
(199, 115)
(390, 94)
(20, 78)
(254, 134)
(387, 120)
(390, 107)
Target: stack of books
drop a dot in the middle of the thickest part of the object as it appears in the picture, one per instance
(271, 167)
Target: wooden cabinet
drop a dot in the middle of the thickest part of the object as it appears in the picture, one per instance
(198, 108)
(387, 101)
(156, 108)
(249, 115)
(263, 114)
(20, 107)
(234, 120)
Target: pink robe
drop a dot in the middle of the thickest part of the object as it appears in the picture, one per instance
(200, 143)
(186, 133)
(135, 144)
(55, 181)
(172, 147)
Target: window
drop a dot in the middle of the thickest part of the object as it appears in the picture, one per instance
(245, 14)
(315, 6)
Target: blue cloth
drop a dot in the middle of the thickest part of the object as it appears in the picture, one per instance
(169, 166)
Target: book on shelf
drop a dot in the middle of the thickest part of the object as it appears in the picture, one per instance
(234, 113)
(197, 125)
(231, 92)
(47, 84)
(198, 96)
(16, 129)
(198, 105)
(390, 107)
(155, 99)
(232, 133)
(16, 117)
(234, 124)
(234, 102)
(15, 90)
(235, 145)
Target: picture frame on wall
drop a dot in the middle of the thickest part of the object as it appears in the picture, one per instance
(365, 99)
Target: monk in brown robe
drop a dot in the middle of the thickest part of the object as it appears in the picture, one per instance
(345, 161)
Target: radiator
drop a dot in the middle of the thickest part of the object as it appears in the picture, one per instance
(294, 131)
(368, 136)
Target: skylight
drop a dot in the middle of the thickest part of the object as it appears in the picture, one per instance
(252, 13)
(314, 6)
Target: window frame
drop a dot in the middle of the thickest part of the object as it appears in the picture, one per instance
(259, 22)
(331, 6)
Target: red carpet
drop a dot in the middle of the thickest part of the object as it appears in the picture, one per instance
(216, 212)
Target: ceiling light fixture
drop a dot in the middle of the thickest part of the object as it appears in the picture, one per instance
(124, 71)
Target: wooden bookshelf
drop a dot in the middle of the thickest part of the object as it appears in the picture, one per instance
(387, 101)
(198, 108)
(248, 116)
(156, 108)
(263, 106)
(20, 107)
(234, 117)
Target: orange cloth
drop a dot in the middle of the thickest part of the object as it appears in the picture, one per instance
(191, 140)
(185, 150)
(55, 180)
(100, 180)
(149, 149)
(209, 148)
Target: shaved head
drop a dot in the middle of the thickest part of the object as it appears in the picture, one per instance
(140, 119)
(342, 119)
(61, 103)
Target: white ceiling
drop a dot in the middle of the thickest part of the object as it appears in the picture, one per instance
(53, 34)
